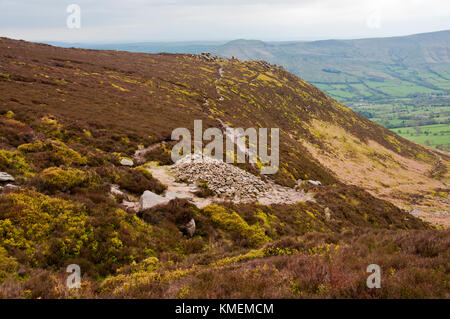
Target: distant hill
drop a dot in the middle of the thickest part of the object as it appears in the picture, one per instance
(365, 69)
(195, 47)
(376, 69)
(399, 82)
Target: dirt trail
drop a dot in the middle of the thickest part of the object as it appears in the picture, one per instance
(139, 155)
(163, 174)
(276, 195)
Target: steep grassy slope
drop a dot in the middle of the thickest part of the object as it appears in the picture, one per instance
(69, 115)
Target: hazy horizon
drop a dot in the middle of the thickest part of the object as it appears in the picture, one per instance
(170, 21)
(216, 42)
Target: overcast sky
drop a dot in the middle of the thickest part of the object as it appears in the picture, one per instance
(186, 20)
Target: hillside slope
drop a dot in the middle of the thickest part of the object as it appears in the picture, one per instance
(69, 116)
(126, 104)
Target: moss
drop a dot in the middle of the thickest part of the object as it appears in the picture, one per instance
(230, 221)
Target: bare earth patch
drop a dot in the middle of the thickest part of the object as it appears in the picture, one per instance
(385, 174)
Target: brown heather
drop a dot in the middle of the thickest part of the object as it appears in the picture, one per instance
(67, 116)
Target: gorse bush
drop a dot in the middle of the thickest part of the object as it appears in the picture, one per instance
(230, 221)
(37, 228)
(64, 179)
(14, 162)
(52, 153)
(44, 231)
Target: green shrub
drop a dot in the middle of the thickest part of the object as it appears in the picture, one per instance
(137, 181)
(57, 152)
(230, 221)
(63, 178)
(14, 163)
(42, 228)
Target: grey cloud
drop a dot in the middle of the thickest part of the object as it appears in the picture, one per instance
(159, 20)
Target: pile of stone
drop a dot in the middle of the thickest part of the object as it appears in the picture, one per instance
(224, 179)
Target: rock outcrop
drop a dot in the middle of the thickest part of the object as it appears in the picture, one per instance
(150, 199)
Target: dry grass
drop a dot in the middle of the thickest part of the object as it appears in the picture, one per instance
(384, 173)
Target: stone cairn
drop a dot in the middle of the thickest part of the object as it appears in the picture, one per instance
(224, 179)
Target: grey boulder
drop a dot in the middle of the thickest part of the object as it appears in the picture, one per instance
(189, 228)
(126, 162)
(150, 199)
(5, 177)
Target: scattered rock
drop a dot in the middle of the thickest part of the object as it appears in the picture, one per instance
(207, 56)
(133, 206)
(11, 187)
(5, 177)
(126, 162)
(315, 183)
(115, 190)
(150, 199)
(328, 213)
(189, 228)
(416, 212)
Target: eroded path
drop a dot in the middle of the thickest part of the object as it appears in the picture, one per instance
(165, 176)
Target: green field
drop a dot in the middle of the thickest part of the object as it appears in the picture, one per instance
(425, 120)
(437, 136)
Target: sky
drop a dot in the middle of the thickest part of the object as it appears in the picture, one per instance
(114, 21)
